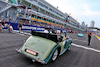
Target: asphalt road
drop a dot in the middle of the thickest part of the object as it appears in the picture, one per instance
(80, 55)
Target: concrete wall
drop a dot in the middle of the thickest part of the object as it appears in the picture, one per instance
(9, 13)
(12, 13)
(2, 5)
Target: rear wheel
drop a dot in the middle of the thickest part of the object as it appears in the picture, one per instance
(55, 55)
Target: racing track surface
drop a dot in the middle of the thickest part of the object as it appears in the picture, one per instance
(76, 57)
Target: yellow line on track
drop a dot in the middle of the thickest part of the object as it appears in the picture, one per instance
(97, 37)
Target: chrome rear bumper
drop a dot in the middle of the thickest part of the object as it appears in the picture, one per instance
(33, 59)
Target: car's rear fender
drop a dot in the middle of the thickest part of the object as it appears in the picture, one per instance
(48, 59)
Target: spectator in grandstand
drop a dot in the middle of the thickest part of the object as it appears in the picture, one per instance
(34, 24)
(1, 27)
(43, 25)
(20, 11)
(38, 24)
(0, 19)
(89, 37)
(16, 21)
(9, 28)
(46, 31)
(29, 23)
(3, 22)
(68, 19)
(19, 26)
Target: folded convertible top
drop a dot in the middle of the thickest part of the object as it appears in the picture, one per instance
(49, 36)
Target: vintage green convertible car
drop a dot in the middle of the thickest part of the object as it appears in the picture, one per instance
(44, 47)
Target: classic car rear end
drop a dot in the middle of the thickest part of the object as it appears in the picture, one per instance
(37, 47)
(43, 47)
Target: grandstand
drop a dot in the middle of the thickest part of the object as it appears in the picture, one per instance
(38, 13)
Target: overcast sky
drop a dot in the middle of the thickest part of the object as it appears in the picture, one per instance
(83, 10)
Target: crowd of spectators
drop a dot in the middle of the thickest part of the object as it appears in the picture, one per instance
(39, 24)
(5, 26)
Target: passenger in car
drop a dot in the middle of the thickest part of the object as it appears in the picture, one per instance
(46, 31)
(59, 36)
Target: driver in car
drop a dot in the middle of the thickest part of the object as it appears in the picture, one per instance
(59, 36)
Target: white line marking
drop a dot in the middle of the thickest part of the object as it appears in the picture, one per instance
(22, 32)
(88, 48)
(79, 40)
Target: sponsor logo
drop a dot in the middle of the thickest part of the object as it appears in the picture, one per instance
(27, 27)
(32, 28)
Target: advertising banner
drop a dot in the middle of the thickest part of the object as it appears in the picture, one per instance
(26, 27)
(30, 27)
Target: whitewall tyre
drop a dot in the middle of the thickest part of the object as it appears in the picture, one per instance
(55, 55)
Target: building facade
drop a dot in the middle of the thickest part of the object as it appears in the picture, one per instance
(92, 24)
(37, 11)
(83, 24)
(7, 11)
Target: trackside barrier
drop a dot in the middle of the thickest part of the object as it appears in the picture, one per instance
(29, 27)
(26, 27)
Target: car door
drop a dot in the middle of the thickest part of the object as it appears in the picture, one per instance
(62, 43)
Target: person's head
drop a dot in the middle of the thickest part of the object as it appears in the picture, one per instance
(9, 24)
(46, 31)
(58, 32)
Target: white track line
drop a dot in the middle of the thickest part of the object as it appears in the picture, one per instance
(22, 32)
(88, 48)
(79, 40)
